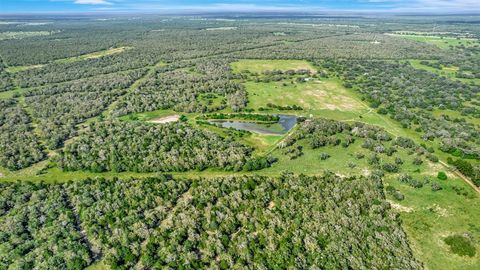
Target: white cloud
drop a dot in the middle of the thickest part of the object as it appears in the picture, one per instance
(92, 2)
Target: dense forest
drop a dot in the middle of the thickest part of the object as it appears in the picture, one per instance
(19, 145)
(126, 146)
(61, 107)
(224, 223)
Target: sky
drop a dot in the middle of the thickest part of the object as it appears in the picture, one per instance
(186, 6)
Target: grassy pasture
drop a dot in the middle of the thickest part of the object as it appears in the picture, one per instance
(12, 93)
(259, 66)
(326, 98)
(16, 69)
(456, 114)
(429, 217)
(314, 96)
(441, 42)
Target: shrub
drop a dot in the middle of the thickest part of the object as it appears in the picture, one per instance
(417, 161)
(324, 156)
(398, 196)
(461, 245)
(436, 187)
(390, 167)
(442, 176)
(398, 161)
(432, 158)
(416, 184)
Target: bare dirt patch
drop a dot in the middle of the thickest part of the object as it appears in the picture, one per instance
(438, 210)
(165, 119)
(400, 208)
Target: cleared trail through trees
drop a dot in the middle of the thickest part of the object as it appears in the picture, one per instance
(183, 199)
(78, 226)
(150, 72)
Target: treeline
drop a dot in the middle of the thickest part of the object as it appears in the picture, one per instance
(6, 82)
(139, 147)
(281, 108)
(467, 168)
(299, 75)
(354, 45)
(19, 145)
(243, 116)
(255, 222)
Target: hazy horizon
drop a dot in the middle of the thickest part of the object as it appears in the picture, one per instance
(434, 7)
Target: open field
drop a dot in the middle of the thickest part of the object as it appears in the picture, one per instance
(313, 96)
(93, 55)
(23, 68)
(259, 66)
(441, 42)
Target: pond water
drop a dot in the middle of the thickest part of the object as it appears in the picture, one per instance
(285, 123)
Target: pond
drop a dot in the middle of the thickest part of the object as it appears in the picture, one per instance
(285, 123)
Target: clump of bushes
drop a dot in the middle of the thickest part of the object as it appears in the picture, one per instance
(461, 244)
(395, 193)
(442, 176)
(324, 156)
(436, 187)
